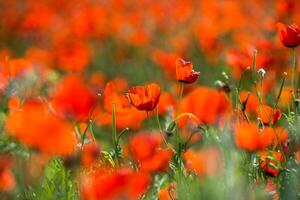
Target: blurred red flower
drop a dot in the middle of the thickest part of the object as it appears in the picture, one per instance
(72, 98)
(144, 97)
(210, 106)
(268, 115)
(90, 153)
(185, 72)
(168, 192)
(117, 184)
(271, 162)
(146, 149)
(7, 181)
(34, 125)
(126, 115)
(251, 138)
(206, 162)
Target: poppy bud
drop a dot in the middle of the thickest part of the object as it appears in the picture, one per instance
(171, 128)
(261, 72)
(289, 35)
(271, 162)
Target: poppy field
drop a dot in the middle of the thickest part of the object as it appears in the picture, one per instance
(149, 100)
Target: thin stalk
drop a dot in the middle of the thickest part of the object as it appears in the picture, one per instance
(83, 134)
(261, 86)
(121, 134)
(293, 70)
(114, 133)
(254, 80)
(178, 158)
(92, 131)
(293, 83)
(177, 137)
(254, 66)
(279, 93)
(159, 126)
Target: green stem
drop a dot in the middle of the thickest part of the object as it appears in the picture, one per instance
(279, 93)
(293, 70)
(83, 134)
(254, 80)
(177, 137)
(121, 134)
(178, 157)
(159, 126)
(114, 133)
(293, 84)
(254, 66)
(91, 130)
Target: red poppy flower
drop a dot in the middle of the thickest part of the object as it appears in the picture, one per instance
(271, 162)
(166, 62)
(7, 181)
(206, 162)
(72, 55)
(127, 115)
(251, 138)
(289, 35)
(90, 154)
(168, 192)
(144, 97)
(185, 72)
(251, 99)
(268, 115)
(73, 98)
(210, 106)
(146, 150)
(117, 184)
(34, 125)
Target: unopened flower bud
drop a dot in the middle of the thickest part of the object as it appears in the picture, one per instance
(261, 72)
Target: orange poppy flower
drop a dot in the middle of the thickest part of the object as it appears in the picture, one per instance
(210, 106)
(72, 98)
(166, 62)
(118, 184)
(144, 97)
(246, 136)
(207, 162)
(145, 148)
(286, 97)
(38, 18)
(185, 72)
(273, 136)
(271, 162)
(14, 103)
(126, 115)
(12, 68)
(289, 35)
(166, 102)
(268, 115)
(251, 138)
(252, 101)
(7, 181)
(72, 55)
(168, 192)
(91, 152)
(44, 131)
